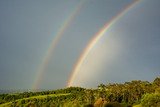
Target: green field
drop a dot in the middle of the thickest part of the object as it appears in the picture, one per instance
(129, 94)
(32, 98)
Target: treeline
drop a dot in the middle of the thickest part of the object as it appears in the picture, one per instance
(144, 93)
(130, 92)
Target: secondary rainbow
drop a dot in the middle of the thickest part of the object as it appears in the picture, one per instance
(95, 39)
(50, 50)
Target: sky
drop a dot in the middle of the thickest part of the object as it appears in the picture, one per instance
(129, 49)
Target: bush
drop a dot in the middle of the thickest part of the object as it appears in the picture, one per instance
(88, 105)
(112, 104)
(151, 100)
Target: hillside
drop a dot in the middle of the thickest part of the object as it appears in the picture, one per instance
(135, 93)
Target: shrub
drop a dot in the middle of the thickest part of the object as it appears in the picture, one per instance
(151, 100)
(112, 104)
(89, 105)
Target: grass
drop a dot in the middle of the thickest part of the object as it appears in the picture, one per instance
(37, 97)
(139, 105)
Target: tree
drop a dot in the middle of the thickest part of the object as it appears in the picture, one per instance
(156, 82)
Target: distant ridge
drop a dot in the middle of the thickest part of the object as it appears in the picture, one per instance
(8, 91)
(3, 91)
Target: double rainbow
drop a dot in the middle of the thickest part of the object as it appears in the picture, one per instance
(91, 44)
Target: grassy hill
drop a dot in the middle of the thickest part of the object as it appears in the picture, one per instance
(135, 93)
(22, 101)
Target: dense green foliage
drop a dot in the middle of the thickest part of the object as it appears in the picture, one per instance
(144, 93)
(151, 100)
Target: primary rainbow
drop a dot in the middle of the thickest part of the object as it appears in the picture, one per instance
(50, 50)
(95, 39)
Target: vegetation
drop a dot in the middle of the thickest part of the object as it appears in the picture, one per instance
(151, 100)
(135, 93)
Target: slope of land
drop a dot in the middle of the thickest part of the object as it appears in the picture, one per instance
(135, 93)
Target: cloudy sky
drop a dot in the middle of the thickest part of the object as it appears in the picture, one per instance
(129, 49)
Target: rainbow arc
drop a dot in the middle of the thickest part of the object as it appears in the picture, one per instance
(95, 39)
